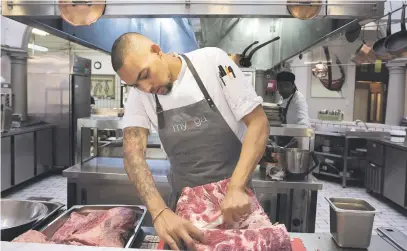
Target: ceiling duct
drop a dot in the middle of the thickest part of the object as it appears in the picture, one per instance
(184, 26)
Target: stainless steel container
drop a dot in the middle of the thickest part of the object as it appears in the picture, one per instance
(351, 222)
(297, 161)
(18, 216)
(50, 229)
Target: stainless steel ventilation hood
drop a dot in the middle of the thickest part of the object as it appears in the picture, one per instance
(182, 26)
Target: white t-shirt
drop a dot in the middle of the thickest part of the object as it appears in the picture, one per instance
(233, 101)
(297, 110)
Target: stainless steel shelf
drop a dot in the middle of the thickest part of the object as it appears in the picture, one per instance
(338, 156)
(292, 130)
(329, 155)
(335, 175)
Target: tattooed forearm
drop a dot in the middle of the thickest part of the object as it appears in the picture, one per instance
(134, 150)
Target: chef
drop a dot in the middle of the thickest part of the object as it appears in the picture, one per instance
(210, 130)
(295, 108)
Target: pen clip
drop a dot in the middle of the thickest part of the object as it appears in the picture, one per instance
(222, 71)
(231, 71)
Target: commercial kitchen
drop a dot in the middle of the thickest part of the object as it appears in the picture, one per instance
(62, 107)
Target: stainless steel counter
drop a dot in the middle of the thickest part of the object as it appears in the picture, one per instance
(103, 180)
(401, 146)
(324, 242)
(312, 242)
(25, 153)
(105, 168)
(22, 130)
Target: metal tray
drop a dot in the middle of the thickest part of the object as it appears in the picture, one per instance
(50, 229)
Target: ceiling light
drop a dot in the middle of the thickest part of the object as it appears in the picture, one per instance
(39, 32)
(37, 47)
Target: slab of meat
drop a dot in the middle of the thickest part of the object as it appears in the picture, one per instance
(31, 236)
(254, 232)
(107, 228)
(74, 223)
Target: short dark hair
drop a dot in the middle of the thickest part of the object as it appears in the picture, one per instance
(119, 50)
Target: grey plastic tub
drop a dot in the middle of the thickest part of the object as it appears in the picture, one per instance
(351, 222)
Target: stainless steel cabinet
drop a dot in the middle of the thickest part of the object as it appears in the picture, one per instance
(395, 175)
(374, 178)
(43, 144)
(5, 163)
(23, 157)
(375, 153)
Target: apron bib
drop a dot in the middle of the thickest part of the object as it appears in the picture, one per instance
(200, 145)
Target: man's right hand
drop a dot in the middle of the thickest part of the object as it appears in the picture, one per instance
(173, 229)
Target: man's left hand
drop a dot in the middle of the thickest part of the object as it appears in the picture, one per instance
(236, 204)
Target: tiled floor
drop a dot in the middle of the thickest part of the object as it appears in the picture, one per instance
(55, 187)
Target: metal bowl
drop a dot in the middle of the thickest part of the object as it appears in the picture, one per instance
(16, 213)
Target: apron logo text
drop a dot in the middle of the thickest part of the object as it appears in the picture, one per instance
(188, 123)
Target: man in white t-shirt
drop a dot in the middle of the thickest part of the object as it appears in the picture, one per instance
(211, 129)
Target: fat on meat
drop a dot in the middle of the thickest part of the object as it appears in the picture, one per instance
(255, 232)
(32, 236)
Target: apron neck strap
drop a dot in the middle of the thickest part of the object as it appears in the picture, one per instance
(198, 80)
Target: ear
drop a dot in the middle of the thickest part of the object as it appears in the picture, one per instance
(156, 49)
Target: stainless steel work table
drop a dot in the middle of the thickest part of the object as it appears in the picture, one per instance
(103, 180)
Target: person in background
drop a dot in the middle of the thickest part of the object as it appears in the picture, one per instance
(295, 108)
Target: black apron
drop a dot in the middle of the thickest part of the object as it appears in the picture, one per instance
(284, 140)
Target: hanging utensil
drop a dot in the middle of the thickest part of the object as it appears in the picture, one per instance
(304, 9)
(333, 84)
(353, 32)
(379, 48)
(396, 44)
(236, 57)
(80, 13)
(364, 54)
(245, 61)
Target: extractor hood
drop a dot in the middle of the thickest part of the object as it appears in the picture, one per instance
(182, 26)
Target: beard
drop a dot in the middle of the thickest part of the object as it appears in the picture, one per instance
(169, 87)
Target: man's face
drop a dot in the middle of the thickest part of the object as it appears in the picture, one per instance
(285, 88)
(147, 71)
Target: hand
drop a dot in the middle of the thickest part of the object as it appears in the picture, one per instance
(172, 229)
(236, 204)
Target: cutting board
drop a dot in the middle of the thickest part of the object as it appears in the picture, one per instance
(296, 245)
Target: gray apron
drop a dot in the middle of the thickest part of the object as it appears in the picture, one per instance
(200, 145)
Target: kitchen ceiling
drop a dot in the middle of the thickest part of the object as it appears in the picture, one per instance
(231, 26)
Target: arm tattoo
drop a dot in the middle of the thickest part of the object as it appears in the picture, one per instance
(134, 151)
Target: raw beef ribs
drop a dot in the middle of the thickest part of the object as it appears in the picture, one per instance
(108, 230)
(74, 223)
(99, 228)
(254, 232)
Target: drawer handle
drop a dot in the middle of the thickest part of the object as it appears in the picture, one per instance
(372, 164)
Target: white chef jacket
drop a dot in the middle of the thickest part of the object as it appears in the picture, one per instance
(240, 101)
(297, 110)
